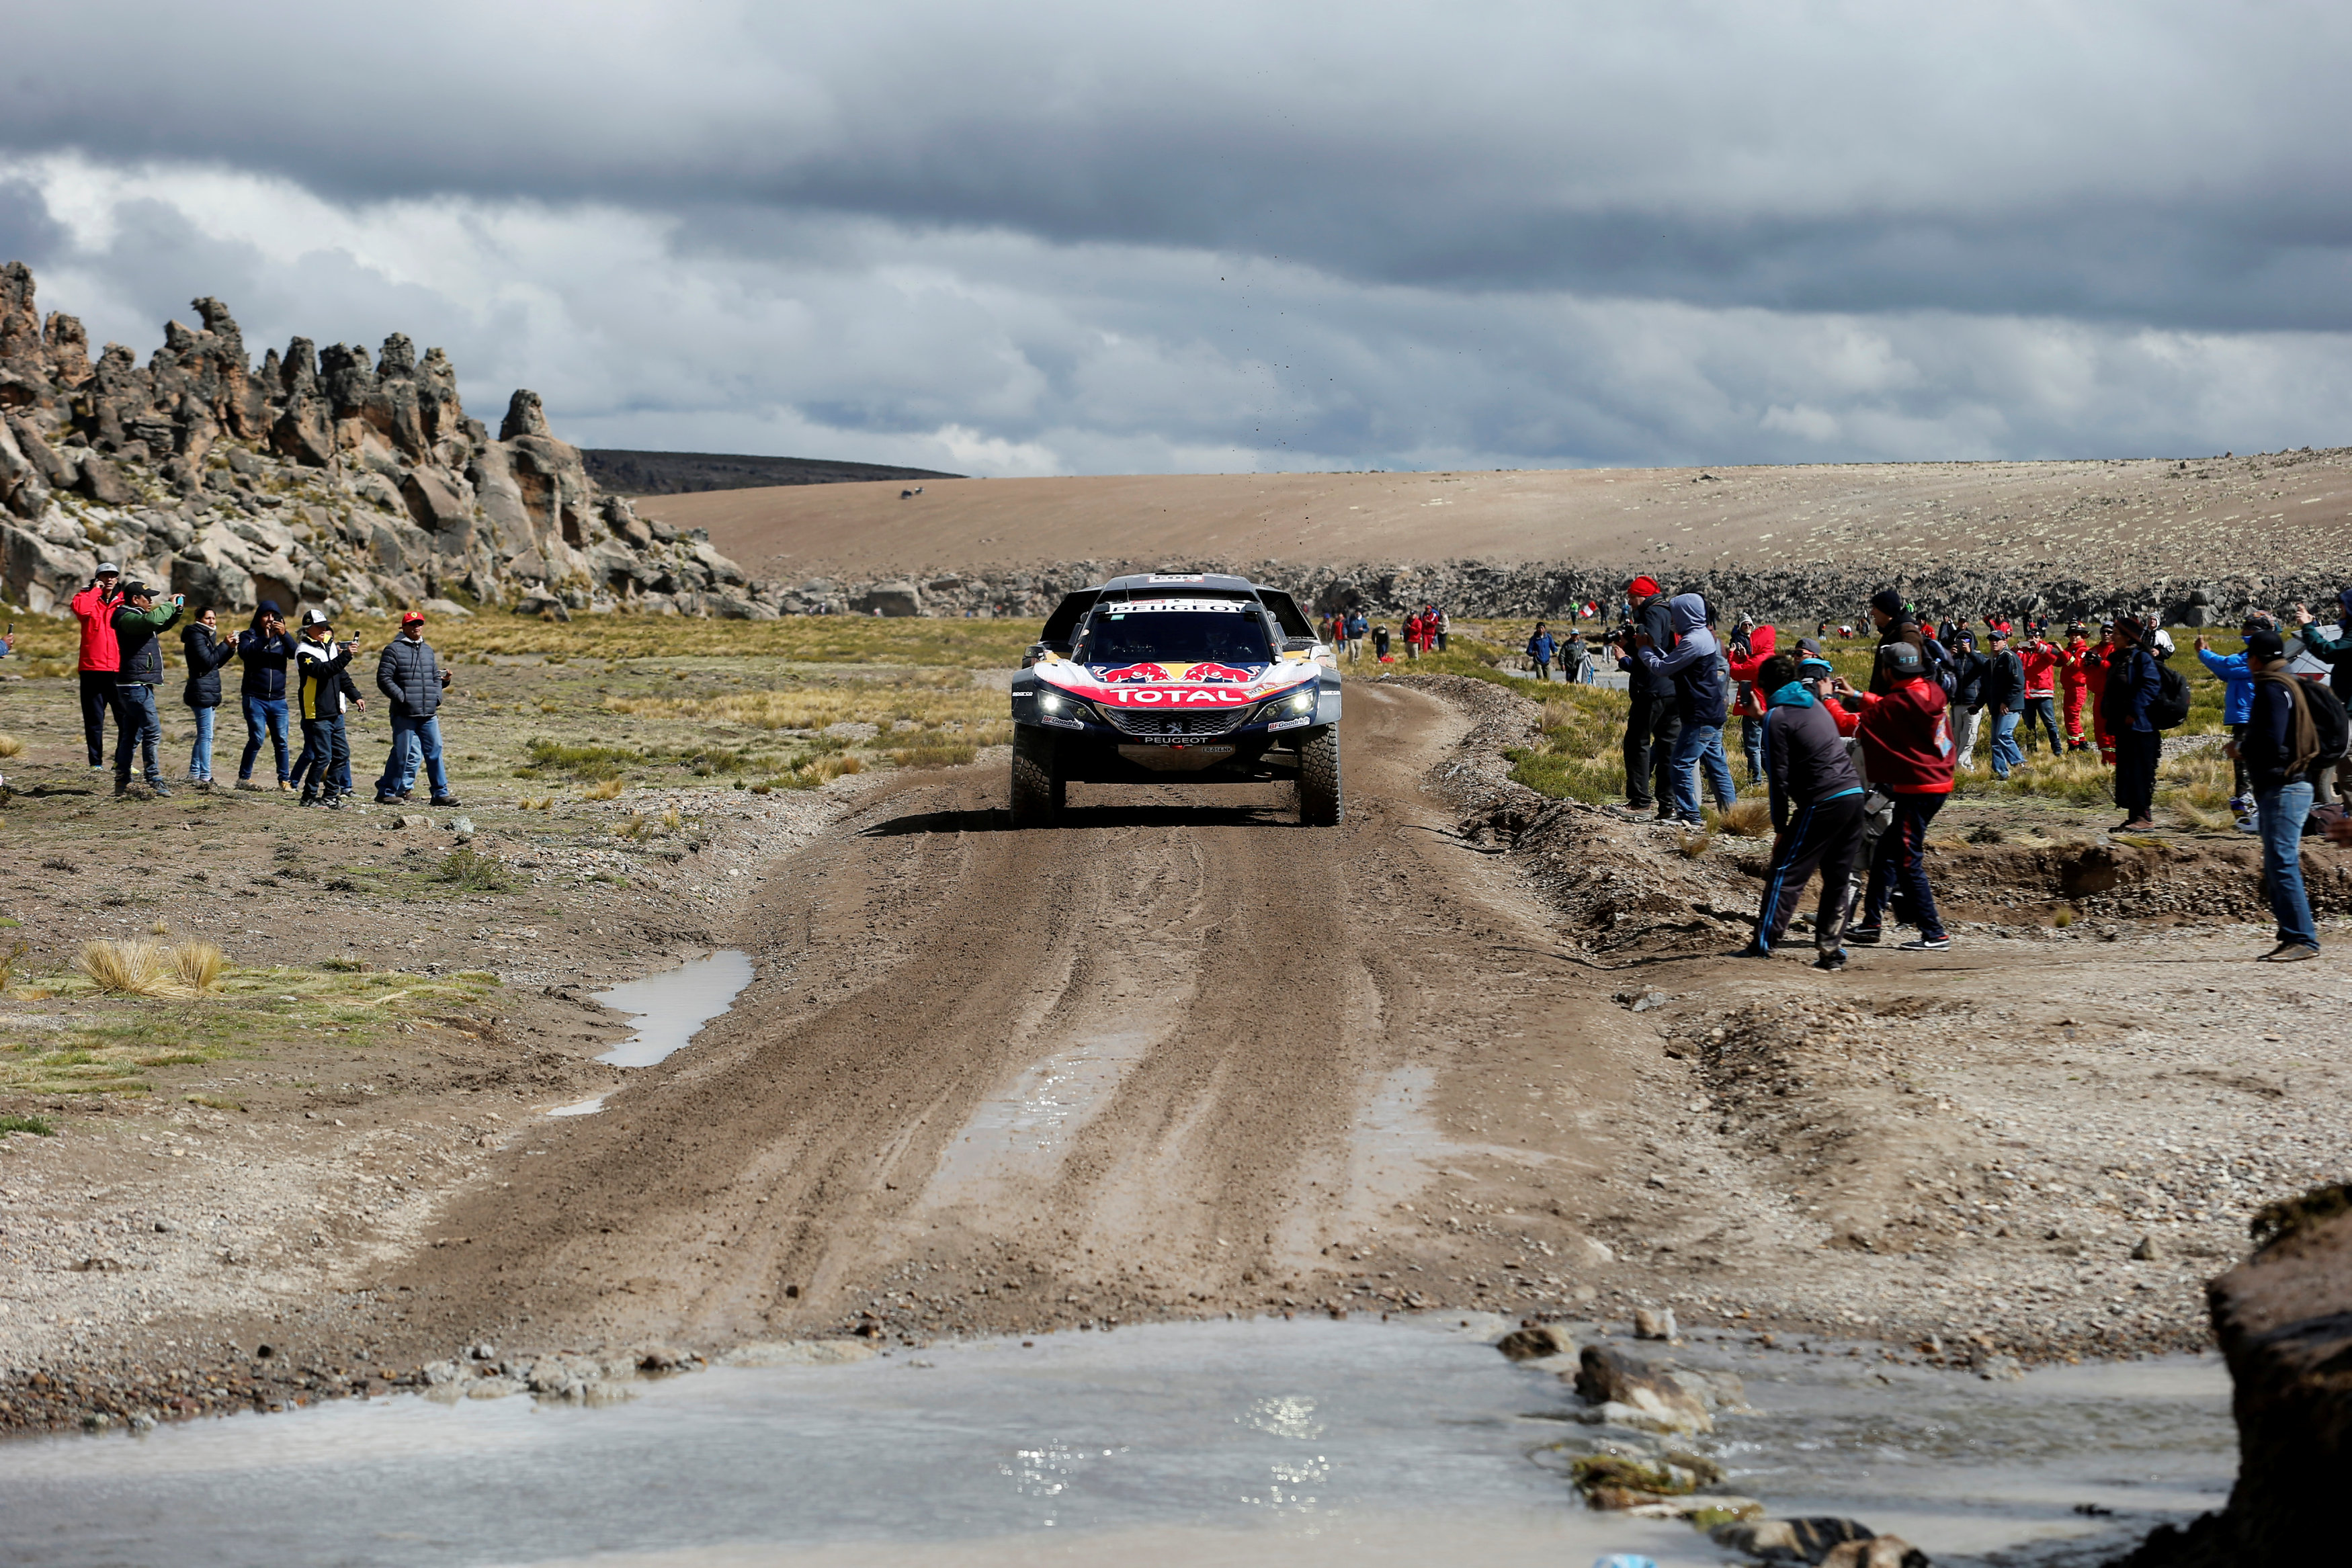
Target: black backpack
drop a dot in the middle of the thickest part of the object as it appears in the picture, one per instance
(2169, 709)
(2329, 720)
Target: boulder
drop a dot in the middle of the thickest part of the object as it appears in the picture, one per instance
(57, 470)
(1791, 1541)
(103, 482)
(902, 598)
(432, 501)
(1634, 1393)
(37, 574)
(1536, 1342)
(1878, 1551)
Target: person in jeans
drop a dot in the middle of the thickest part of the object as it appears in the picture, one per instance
(412, 681)
(318, 665)
(267, 650)
(1540, 648)
(2278, 746)
(1752, 645)
(94, 607)
(2131, 687)
(1693, 669)
(2004, 696)
(1906, 750)
(2237, 704)
(2042, 658)
(205, 650)
(137, 623)
(1651, 726)
(1969, 668)
(1358, 628)
(1816, 813)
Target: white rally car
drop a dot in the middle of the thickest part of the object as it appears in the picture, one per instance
(1176, 675)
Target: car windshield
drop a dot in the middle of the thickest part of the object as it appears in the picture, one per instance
(1179, 636)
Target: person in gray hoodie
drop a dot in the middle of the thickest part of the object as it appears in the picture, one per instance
(1817, 815)
(1701, 694)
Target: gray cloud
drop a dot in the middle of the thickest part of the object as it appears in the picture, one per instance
(1088, 237)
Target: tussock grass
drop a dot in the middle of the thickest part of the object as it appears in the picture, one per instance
(468, 868)
(9, 745)
(1749, 818)
(1691, 845)
(941, 753)
(125, 968)
(587, 764)
(38, 1125)
(197, 966)
(213, 1102)
(609, 790)
(929, 699)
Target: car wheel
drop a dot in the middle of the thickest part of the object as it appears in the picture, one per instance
(1038, 789)
(1319, 805)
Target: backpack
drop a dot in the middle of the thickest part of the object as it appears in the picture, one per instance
(2169, 708)
(2328, 721)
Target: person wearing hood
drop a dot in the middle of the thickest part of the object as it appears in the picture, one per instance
(1651, 726)
(1969, 668)
(2131, 687)
(1906, 749)
(1693, 670)
(1750, 645)
(1817, 810)
(266, 648)
(2237, 703)
(2280, 746)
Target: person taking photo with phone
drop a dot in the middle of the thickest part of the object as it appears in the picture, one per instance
(318, 665)
(266, 649)
(100, 658)
(138, 624)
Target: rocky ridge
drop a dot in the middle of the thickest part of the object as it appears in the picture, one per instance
(322, 476)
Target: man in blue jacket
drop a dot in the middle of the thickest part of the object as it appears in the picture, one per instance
(1702, 694)
(2237, 701)
(1539, 649)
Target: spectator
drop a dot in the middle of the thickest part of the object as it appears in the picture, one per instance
(1692, 669)
(1539, 649)
(205, 650)
(1817, 800)
(265, 649)
(1445, 626)
(1969, 668)
(2096, 663)
(1752, 645)
(2131, 687)
(325, 749)
(2004, 693)
(2076, 681)
(1895, 623)
(1358, 627)
(138, 621)
(2279, 746)
(1652, 727)
(2237, 704)
(1412, 636)
(2333, 650)
(100, 660)
(2041, 658)
(1907, 747)
(1380, 643)
(411, 680)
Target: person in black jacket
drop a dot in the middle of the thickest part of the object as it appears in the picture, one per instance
(2003, 687)
(319, 663)
(205, 650)
(267, 648)
(139, 624)
(2139, 744)
(1896, 623)
(412, 679)
(1969, 668)
(2279, 748)
(1817, 818)
(1652, 724)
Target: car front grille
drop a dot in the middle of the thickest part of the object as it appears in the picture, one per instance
(1158, 722)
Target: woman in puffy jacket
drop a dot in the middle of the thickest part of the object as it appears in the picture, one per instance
(206, 651)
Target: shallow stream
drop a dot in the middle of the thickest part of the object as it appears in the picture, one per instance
(1262, 1442)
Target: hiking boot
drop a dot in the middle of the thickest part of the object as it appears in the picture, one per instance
(248, 784)
(333, 802)
(1754, 950)
(121, 788)
(1867, 935)
(2139, 825)
(1832, 960)
(285, 784)
(156, 790)
(446, 800)
(384, 798)
(1926, 944)
(2289, 952)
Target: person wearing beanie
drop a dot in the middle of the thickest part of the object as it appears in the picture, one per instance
(1816, 816)
(1692, 669)
(1906, 750)
(2131, 687)
(1651, 724)
(2280, 746)
(1969, 668)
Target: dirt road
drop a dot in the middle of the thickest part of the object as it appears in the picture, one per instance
(1168, 1057)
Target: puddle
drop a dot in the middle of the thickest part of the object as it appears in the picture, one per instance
(1287, 1445)
(1023, 1135)
(671, 1006)
(582, 1108)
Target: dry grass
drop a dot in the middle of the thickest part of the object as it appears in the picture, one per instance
(930, 700)
(151, 969)
(9, 745)
(1749, 818)
(198, 967)
(606, 790)
(1691, 845)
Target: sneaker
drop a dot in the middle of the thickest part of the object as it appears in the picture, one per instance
(1832, 961)
(1926, 944)
(247, 784)
(286, 784)
(383, 798)
(2250, 824)
(155, 788)
(445, 800)
(97, 768)
(1867, 935)
(308, 799)
(2239, 806)
(2289, 952)
(333, 802)
(1754, 950)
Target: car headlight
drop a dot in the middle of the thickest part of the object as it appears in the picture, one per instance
(1051, 702)
(1303, 700)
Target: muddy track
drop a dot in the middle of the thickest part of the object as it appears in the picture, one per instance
(1058, 1074)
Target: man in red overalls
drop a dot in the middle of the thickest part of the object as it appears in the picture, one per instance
(2094, 663)
(2077, 681)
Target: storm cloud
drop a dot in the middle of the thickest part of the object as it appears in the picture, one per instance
(1089, 238)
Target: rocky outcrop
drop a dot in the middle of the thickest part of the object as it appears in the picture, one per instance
(331, 477)
(2283, 1319)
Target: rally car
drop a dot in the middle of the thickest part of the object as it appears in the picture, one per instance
(1170, 676)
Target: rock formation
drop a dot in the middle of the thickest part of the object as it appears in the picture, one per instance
(332, 477)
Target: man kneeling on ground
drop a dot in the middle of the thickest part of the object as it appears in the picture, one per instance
(1816, 810)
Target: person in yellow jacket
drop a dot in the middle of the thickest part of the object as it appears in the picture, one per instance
(319, 663)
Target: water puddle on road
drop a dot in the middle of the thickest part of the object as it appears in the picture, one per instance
(1287, 1444)
(1022, 1135)
(670, 1008)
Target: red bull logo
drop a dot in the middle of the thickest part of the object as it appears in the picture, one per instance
(1220, 674)
(1133, 674)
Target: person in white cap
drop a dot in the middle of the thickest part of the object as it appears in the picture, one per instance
(326, 749)
(102, 659)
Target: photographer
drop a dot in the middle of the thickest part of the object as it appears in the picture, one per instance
(100, 658)
(137, 622)
(411, 680)
(266, 649)
(1651, 726)
(319, 671)
(1692, 670)
(1752, 645)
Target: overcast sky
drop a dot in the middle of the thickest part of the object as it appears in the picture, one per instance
(1090, 238)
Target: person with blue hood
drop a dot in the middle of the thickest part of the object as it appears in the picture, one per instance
(1817, 808)
(1701, 694)
(2237, 702)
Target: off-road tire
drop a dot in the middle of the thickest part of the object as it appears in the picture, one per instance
(1038, 790)
(1319, 805)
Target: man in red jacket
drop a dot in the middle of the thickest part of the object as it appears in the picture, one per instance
(2041, 658)
(1750, 645)
(100, 658)
(2077, 682)
(1907, 747)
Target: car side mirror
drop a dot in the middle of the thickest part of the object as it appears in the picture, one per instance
(1299, 644)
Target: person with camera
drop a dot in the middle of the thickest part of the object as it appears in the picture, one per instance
(1817, 810)
(1651, 726)
(138, 625)
(205, 650)
(2132, 678)
(94, 607)
(2041, 659)
(1692, 669)
(267, 650)
(1752, 645)
(412, 679)
(318, 665)
(1906, 750)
